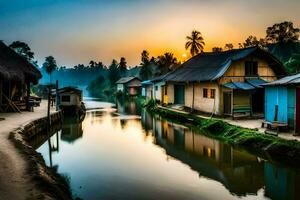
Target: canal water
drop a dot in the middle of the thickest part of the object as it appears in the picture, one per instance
(122, 152)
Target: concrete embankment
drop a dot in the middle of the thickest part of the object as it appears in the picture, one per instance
(268, 146)
(49, 184)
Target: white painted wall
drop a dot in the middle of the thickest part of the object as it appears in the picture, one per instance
(120, 87)
(157, 92)
(200, 103)
(74, 100)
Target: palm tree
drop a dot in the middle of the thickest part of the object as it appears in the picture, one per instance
(195, 43)
(50, 65)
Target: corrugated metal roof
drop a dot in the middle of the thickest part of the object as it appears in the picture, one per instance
(257, 82)
(147, 82)
(239, 86)
(211, 66)
(126, 79)
(294, 79)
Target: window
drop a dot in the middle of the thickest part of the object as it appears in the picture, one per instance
(212, 93)
(66, 98)
(251, 68)
(166, 90)
(205, 93)
(156, 88)
(209, 93)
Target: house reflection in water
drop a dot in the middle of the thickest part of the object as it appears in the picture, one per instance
(128, 107)
(281, 183)
(240, 172)
(71, 130)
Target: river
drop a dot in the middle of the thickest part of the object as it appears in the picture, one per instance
(122, 152)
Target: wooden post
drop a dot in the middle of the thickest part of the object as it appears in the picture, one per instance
(28, 96)
(56, 96)
(193, 102)
(50, 150)
(1, 91)
(48, 110)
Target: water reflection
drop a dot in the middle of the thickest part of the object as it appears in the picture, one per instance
(211, 158)
(71, 130)
(115, 154)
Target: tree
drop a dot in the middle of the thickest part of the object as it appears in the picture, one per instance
(123, 66)
(113, 72)
(217, 49)
(166, 62)
(22, 49)
(96, 86)
(228, 46)
(92, 64)
(293, 64)
(145, 57)
(50, 65)
(251, 41)
(146, 71)
(282, 33)
(195, 43)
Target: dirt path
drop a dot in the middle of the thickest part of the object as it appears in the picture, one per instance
(14, 182)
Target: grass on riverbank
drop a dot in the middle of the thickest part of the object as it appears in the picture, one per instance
(253, 140)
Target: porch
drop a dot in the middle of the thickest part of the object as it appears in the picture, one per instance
(242, 99)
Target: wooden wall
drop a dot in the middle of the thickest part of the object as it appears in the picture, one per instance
(236, 72)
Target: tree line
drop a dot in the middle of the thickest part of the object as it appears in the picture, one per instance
(282, 40)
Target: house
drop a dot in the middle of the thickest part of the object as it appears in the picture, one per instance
(16, 77)
(223, 83)
(147, 89)
(130, 85)
(282, 102)
(159, 89)
(70, 99)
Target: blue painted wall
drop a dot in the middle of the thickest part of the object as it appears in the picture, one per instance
(291, 106)
(276, 96)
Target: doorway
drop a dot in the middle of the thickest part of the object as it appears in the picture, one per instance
(227, 98)
(179, 94)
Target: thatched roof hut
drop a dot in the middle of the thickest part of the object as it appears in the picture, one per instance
(15, 67)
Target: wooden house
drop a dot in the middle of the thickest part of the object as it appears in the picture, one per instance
(282, 102)
(70, 100)
(130, 85)
(16, 77)
(223, 83)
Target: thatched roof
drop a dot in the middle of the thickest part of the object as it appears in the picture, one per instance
(211, 66)
(15, 67)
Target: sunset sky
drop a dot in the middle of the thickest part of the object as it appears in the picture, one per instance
(76, 31)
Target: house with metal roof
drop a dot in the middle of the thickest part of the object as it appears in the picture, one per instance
(223, 83)
(130, 85)
(282, 102)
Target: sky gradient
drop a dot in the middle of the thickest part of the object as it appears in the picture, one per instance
(77, 31)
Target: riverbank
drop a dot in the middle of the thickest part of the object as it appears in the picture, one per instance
(18, 175)
(266, 145)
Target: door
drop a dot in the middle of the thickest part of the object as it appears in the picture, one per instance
(227, 103)
(179, 94)
(297, 124)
